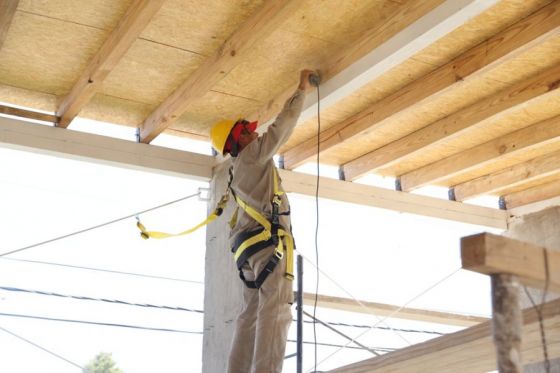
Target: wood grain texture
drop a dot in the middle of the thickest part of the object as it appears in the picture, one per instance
(263, 22)
(541, 134)
(7, 11)
(492, 254)
(503, 46)
(535, 194)
(117, 44)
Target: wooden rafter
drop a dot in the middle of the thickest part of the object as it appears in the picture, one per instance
(66, 143)
(7, 12)
(28, 114)
(492, 254)
(407, 30)
(455, 124)
(542, 133)
(503, 46)
(388, 310)
(519, 174)
(117, 44)
(535, 194)
(257, 27)
(467, 351)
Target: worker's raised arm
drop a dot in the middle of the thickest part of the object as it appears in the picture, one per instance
(281, 130)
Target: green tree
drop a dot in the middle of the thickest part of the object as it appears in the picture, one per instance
(102, 363)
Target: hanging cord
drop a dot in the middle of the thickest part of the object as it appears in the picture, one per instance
(100, 225)
(314, 79)
(538, 309)
(42, 348)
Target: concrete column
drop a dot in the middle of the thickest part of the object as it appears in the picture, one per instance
(540, 228)
(223, 289)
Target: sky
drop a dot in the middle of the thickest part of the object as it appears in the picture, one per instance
(364, 253)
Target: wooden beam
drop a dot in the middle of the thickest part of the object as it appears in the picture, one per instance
(27, 114)
(492, 254)
(55, 141)
(117, 44)
(542, 133)
(384, 310)
(7, 12)
(456, 124)
(59, 142)
(389, 199)
(261, 24)
(404, 32)
(467, 351)
(532, 195)
(503, 46)
(519, 174)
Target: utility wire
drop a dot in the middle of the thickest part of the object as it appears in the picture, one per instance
(114, 301)
(100, 323)
(98, 226)
(45, 293)
(103, 270)
(42, 348)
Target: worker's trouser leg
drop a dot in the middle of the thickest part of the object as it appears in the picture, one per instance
(261, 329)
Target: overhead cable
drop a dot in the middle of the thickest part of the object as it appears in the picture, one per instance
(99, 225)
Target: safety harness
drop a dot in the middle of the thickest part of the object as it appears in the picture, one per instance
(247, 244)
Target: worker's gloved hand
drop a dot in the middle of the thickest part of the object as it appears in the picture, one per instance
(304, 82)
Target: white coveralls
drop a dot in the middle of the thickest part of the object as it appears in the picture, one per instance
(261, 328)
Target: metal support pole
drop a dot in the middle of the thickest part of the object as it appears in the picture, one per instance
(507, 322)
(299, 302)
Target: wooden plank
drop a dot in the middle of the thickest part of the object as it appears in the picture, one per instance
(502, 47)
(59, 142)
(28, 114)
(542, 133)
(389, 199)
(384, 310)
(7, 11)
(532, 195)
(467, 351)
(519, 174)
(117, 44)
(261, 24)
(409, 29)
(492, 254)
(454, 125)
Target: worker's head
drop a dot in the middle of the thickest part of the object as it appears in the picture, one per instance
(229, 136)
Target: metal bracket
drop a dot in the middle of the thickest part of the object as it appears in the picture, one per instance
(204, 194)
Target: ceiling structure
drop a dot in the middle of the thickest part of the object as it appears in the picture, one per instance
(458, 93)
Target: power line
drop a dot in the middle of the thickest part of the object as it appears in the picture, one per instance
(103, 270)
(100, 323)
(41, 348)
(99, 225)
(114, 301)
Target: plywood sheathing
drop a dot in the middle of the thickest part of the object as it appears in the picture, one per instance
(467, 36)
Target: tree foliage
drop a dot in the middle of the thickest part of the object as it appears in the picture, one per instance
(102, 363)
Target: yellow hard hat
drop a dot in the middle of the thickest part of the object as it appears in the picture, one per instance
(219, 134)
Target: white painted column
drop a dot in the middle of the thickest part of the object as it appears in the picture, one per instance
(223, 289)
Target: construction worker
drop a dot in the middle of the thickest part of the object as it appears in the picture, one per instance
(261, 328)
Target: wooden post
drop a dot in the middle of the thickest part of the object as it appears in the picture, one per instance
(507, 322)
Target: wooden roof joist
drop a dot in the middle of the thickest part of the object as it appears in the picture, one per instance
(405, 31)
(7, 11)
(534, 169)
(492, 254)
(467, 351)
(535, 194)
(263, 22)
(455, 124)
(388, 310)
(537, 135)
(506, 45)
(117, 44)
(61, 142)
